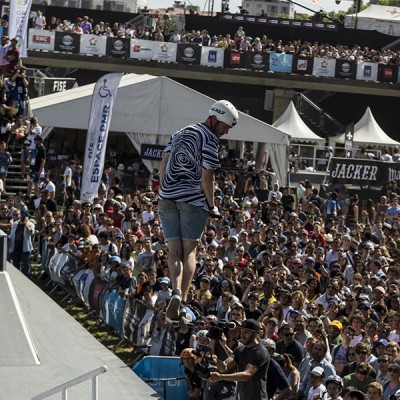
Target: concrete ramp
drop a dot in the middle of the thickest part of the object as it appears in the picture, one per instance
(16, 344)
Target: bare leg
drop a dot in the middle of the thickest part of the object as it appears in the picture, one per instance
(175, 256)
(189, 265)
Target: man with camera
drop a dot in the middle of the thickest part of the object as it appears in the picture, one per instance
(252, 362)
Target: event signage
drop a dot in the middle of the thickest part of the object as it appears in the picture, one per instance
(18, 23)
(117, 47)
(324, 67)
(279, 62)
(164, 51)
(367, 71)
(41, 40)
(141, 49)
(68, 42)
(188, 54)
(349, 139)
(93, 44)
(103, 98)
(152, 152)
(257, 61)
(56, 85)
(387, 73)
(363, 172)
(302, 65)
(346, 69)
(212, 56)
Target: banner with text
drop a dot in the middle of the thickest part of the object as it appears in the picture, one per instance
(212, 57)
(188, 54)
(324, 67)
(164, 51)
(18, 23)
(141, 49)
(112, 309)
(41, 40)
(257, 61)
(152, 152)
(104, 94)
(68, 42)
(280, 62)
(93, 44)
(302, 65)
(367, 71)
(363, 172)
(346, 69)
(117, 47)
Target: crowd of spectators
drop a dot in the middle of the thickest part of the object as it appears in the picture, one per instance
(238, 41)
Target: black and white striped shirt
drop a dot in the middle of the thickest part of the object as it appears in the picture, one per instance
(191, 149)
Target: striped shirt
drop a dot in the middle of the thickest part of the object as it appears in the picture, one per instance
(191, 150)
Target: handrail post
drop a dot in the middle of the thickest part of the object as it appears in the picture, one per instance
(95, 392)
(3, 251)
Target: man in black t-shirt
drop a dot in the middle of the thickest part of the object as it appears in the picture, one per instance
(37, 162)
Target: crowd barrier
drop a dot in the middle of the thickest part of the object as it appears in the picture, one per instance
(129, 317)
(211, 56)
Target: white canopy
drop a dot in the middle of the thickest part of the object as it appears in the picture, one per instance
(291, 123)
(149, 109)
(383, 19)
(367, 131)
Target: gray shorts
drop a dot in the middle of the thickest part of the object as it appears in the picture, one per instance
(181, 220)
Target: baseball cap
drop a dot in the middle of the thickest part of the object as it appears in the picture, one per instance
(337, 323)
(381, 341)
(165, 280)
(318, 371)
(268, 343)
(274, 320)
(251, 324)
(115, 259)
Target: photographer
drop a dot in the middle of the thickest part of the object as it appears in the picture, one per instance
(188, 359)
(252, 361)
(19, 92)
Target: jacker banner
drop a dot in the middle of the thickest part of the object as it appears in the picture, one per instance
(363, 172)
(18, 28)
(104, 94)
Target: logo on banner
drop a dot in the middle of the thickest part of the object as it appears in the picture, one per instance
(67, 40)
(164, 48)
(302, 65)
(367, 71)
(308, 24)
(324, 64)
(212, 56)
(235, 59)
(346, 68)
(118, 45)
(188, 52)
(104, 91)
(136, 48)
(258, 59)
(387, 73)
(41, 39)
(92, 41)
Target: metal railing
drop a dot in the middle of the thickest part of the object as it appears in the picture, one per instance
(63, 388)
(395, 45)
(325, 123)
(317, 96)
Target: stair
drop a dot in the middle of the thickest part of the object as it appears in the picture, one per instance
(14, 182)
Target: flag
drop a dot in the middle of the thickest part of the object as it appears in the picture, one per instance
(104, 94)
(18, 23)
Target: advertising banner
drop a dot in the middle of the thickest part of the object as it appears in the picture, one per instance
(41, 40)
(212, 57)
(136, 321)
(346, 69)
(324, 67)
(164, 51)
(104, 94)
(387, 73)
(234, 59)
(18, 23)
(141, 49)
(280, 62)
(188, 54)
(257, 61)
(152, 152)
(367, 71)
(56, 85)
(302, 65)
(112, 309)
(96, 291)
(117, 47)
(67, 42)
(93, 44)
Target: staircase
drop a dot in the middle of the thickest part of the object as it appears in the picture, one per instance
(315, 118)
(14, 183)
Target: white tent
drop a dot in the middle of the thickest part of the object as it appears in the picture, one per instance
(383, 19)
(291, 123)
(149, 109)
(367, 131)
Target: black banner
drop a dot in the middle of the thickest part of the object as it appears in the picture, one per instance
(363, 172)
(346, 69)
(66, 41)
(302, 65)
(387, 73)
(133, 321)
(234, 59)
(55, 85)
(257, 61)
(117, 47)
(188, 54)
(152, 152)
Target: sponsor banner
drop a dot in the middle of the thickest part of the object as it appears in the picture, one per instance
(363, 172)
(349, 138)
(112, 309)
(280, 62)
(256, 61)
(164, 344)
(93, 44)
(141, 49)
(346, 69)
(152, 152)
(302, 65)
(96, 291)
(212, 57)
(136, 322)
(67, 42)
(55, 85)
(117, 47)
(79, 281)
(387, 73)
(104, 94)
(164, 51)
(188, 54)
(41, 40)
(234, 59)
(18, 23)
(324, 67)
(56, 264)
(367, 71)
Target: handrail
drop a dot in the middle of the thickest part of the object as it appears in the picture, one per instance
(64, 387)
(390, 45)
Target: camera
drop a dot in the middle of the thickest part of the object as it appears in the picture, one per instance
(204, 366)
(217, 328)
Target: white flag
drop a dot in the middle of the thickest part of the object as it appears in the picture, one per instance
(18, 23)
(103, 98)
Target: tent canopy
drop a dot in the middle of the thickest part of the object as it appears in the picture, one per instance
(154, 108)
(384, 19)
(367, 131)
(291, 123)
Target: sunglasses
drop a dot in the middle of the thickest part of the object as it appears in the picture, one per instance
(288, 334)
(352, 354)
(363, 352)
(382, 361)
